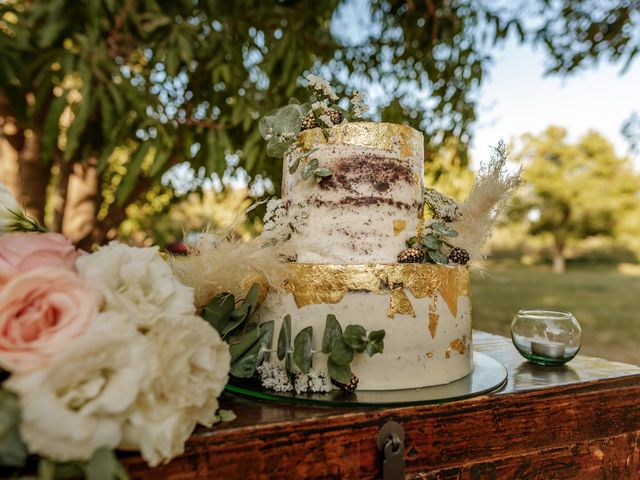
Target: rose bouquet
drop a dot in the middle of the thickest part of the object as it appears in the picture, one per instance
(98, 352)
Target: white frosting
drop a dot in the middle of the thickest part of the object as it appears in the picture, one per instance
(363, 213)
(412, 358)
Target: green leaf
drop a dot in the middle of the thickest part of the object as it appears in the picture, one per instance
(131, 177)
(294, 166)
(185, 49)
(249, 304)
(52, 28)
(284, 338)
(302, 349)
(332, 332)
(288, 119)
(106, 112)
(265, 125)
(375, 342)
(340, 373)
(155, 22)
(309, 169)
(245, 364)
(46, 469)
(103, 465)
(431, 242)
(322, 172)
(172, 63)
(218, 310)
(356, 337)
(309, 152)
(50, 128)
(411, 241)
(438, 257)
(226, 415)
(277, 148)
(341, 353)
(83, 112)
(13, 452)
(164, 147)
(442, 229)
(241, 345)
(70, 470)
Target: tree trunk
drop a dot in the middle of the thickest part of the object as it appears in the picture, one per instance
(11, 142)
(9, 166)
(60, 194)
(82, 202)
(33, 177)
(559, 261)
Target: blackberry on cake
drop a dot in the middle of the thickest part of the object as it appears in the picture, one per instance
(335, 116)
(459, 255)
(309, 121)
(411, 255)
(347, 387)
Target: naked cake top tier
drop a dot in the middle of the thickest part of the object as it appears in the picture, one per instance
(372, 201)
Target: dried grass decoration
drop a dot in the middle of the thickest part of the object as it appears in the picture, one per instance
(477, 214)
(219, 262)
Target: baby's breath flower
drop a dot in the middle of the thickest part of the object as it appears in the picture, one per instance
(321, 85)
(273, 377)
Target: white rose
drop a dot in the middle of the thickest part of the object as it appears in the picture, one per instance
(137, 282)
(8, 204)
(193, 366)
(78, 403)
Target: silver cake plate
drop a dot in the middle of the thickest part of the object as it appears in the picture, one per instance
(488, 375)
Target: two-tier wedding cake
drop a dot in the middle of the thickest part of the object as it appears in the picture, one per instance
(344, 258)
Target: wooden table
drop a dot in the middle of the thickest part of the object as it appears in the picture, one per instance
(580, 421)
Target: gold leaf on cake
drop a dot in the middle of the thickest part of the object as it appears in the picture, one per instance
(457, 345)
(400, 304)
(433, 318)
(312, 284)
(383, 136)
(398, 226)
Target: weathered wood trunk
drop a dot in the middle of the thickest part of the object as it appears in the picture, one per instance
(580, 421)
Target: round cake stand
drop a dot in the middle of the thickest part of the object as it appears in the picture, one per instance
(488, 375)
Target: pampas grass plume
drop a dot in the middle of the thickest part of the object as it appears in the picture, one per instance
(218, 262)
(493, 186)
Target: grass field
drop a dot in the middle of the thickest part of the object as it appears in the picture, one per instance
(606, 302)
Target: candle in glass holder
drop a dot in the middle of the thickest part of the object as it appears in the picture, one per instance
(548, 349)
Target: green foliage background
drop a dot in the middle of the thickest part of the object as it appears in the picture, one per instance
(128, 89)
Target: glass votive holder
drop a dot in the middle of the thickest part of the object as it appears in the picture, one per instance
(546, 337)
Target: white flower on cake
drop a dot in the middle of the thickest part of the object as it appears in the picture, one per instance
(441, 206)
(193, 366)
(8, 205)
(138, 283)
(321, 85)
(358, 107)
(315, 381)
(76, 404)
(319, 107)
(274, 377)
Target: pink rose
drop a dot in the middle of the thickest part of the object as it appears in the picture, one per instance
(26, 251)
(41, 311)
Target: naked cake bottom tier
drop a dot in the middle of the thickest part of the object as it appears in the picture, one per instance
(425, 311)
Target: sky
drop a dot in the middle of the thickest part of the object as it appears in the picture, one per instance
(517, 98)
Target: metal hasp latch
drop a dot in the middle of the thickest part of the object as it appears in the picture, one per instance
(391, 444)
